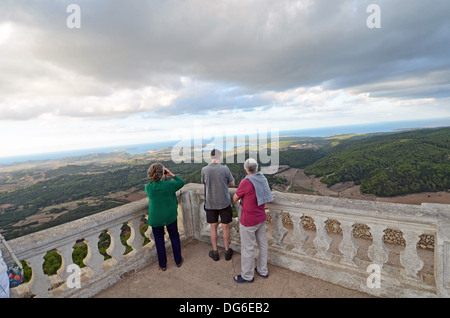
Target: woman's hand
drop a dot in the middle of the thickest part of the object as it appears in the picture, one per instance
(168, 173)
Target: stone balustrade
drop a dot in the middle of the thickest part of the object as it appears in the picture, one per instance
(344, 268)
(292, 247)
(309, 253)
(98, 273)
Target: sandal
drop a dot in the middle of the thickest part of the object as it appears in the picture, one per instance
(241, 280)
(263, 276)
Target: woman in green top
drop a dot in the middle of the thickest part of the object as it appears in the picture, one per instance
(163, 211)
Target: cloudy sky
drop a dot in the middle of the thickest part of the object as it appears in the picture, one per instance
(137, 70)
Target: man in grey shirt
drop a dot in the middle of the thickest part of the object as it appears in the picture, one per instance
(217, 178)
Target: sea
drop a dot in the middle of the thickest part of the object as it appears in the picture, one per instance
(135, 149)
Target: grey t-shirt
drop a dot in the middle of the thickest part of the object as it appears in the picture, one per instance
(217, 177)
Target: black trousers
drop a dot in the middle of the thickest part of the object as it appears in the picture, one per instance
(158, 235)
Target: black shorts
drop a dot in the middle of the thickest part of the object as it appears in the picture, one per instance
(226, 215)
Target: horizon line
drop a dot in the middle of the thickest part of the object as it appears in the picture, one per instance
(114, 148)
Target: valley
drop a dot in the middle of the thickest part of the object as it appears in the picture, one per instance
(299, 182)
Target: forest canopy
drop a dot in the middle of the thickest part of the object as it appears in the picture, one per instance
(390, 164)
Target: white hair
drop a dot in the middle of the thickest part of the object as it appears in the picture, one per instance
(250, 165)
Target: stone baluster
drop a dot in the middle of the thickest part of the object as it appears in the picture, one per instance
(299, 235)
(234, 233)
(377, 252)
(409, 258)
(348, 246)
(238, 209)
(136, 240)
(322, 241)
(94, 260)
(39, 283)
(234, 229)
(205, 226)
(149, 234)
(278, 232)
(116, 249)
(66, 256)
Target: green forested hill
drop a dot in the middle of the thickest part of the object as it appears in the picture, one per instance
(390, 164)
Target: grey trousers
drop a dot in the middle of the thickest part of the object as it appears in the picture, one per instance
(250, 235)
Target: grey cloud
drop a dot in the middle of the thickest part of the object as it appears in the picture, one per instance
(201, 98)
(254, 45)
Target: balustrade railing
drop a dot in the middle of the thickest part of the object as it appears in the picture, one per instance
(99, 271)
(309, 252)
(335, 258)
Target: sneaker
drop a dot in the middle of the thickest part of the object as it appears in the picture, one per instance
(228, 254)
(214, 255)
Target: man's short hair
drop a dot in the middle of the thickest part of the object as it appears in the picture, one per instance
(251, 165)
(216, 154)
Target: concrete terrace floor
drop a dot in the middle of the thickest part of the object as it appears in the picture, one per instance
(201, 277)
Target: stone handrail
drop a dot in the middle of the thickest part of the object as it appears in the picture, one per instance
(344, 267)
(302, 251)
(98, 273)
(411, 220)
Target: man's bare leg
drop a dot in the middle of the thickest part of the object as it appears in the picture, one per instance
(214, 235)
(214, 254)
(226, 241)
(226, 235)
